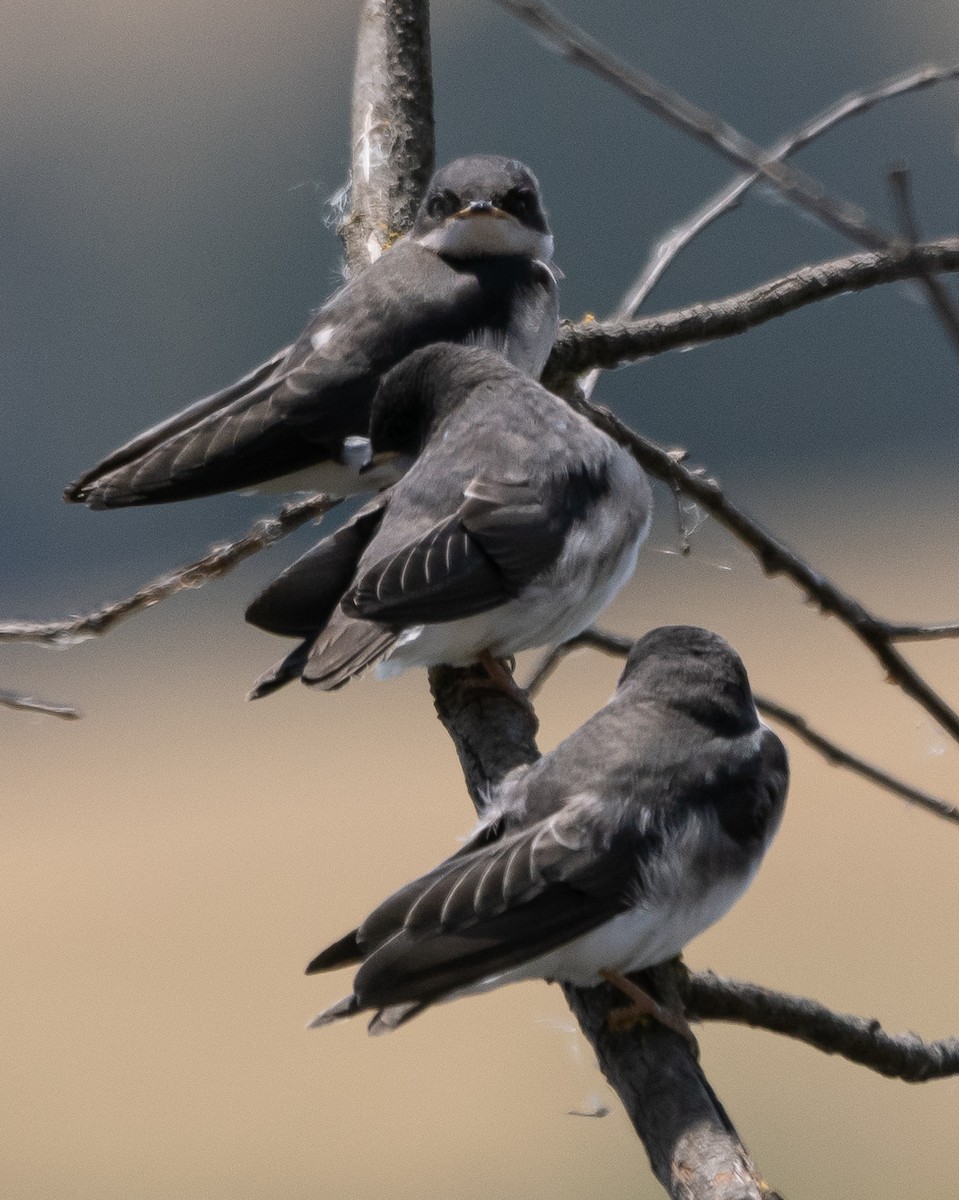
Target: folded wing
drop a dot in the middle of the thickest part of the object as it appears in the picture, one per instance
(485, 912)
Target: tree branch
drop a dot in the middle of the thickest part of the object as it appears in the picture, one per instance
(728, 197)
(591, 344)
(693, 1148)
(392, 158)
(584, 51)
(776, 558)
(710, 997)
(919, 633)
(219, 561)
(612, 643)
(936, 293)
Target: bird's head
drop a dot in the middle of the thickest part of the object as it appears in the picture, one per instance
(694, 671)
(420, 391)
(484, 206)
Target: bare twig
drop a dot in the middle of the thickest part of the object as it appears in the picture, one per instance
(859, 766)
(939, 298)
(729, 196)
(776, 558)
(619, 647)
(919, 633)
(219, 561)
(591, 344)
(392, 157)
(710, 997)
(31, 704)
(584, 51)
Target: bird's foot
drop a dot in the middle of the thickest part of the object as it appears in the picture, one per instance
(644, 1008)
(501, 680)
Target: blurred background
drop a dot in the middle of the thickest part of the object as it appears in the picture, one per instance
(169, 864)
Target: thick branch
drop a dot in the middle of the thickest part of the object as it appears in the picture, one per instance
(491, 732)
(219, 561)
(582, 347)
(392, 158)
(712, 131)
(692, 1145)
(612, 643)
(710, 997)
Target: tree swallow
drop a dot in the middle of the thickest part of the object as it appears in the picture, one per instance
(607, 856)
(474, 268)
(517, 523)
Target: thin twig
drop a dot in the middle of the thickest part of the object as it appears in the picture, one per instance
(776, 558)
(49, 708)
(591, 344)
(919, 633)
(710, 997)
(219, 561)
(939, 298)
(859, 766)
(584, 51)
(618, 646)
(727, 198)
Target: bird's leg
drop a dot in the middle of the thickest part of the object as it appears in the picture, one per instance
(644, 1008)
(501, 680)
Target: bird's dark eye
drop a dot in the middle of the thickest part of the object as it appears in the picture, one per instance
(442, 204)
(519, 201)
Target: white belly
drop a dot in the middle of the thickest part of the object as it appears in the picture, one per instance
(593, 567)
(333, 478)
(632, 941)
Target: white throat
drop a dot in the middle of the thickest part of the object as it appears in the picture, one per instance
(484, 235)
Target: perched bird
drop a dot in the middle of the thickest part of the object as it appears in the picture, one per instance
(608, 855)
(474, 268)
(516, 524)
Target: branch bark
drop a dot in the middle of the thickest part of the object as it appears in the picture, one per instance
(603, 344)
(903, 1056)
(393, 142)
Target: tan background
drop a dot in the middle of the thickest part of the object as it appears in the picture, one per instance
(170, 864)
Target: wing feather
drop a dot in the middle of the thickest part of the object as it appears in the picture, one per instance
(500, 905)
(503, 535)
